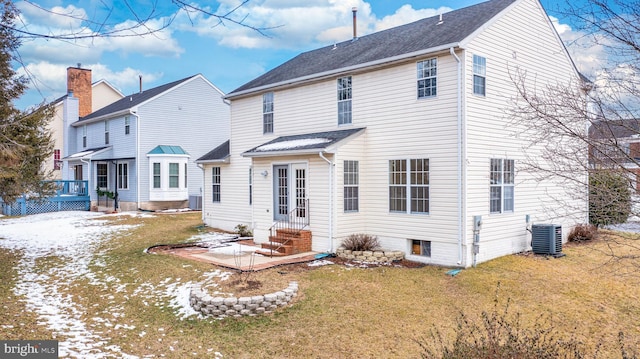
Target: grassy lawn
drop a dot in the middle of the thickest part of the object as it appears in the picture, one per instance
(341, 311)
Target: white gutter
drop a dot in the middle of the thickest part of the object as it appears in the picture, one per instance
(100, 118)
(459, 115)
(330, 73)
(331, 164)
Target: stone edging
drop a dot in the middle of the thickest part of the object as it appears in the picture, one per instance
(371, 256)
(222, 307)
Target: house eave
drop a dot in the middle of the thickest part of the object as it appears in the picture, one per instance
(321, 75)
(222, 160)
(313, 151)
(102, 118)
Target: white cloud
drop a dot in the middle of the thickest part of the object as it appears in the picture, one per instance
(69, 17)
(293, 25)
(407, 14)
(50, 78)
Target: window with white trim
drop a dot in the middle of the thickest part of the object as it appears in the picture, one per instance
(501, 190)
(267, 112)
(185, 176)
(427, 72)
(215, 184)
(123, 175)
(409, 185)
(351, 180)
(479, 75)
(174, 175)
(57, 164)
(102, 175)
(84, 136)
(127, 125)
(157, 182)
(421, 248)
(106, 132)
(344, 100)
(250, 185)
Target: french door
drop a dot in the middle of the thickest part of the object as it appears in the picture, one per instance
(289, 191)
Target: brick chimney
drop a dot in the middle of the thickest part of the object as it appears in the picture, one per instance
(79, 82)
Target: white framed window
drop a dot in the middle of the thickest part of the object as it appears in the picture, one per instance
(351, 180)
(185, 175)
(102, 175)
(409, 186)
(157, 176)
(267, 112)
(106, 132)
(420, 248)
(123, 175)
(427, 78)
(344, 100)
(57, 164)
(174, 175)
(84, 136)
(215, 184)
(479, 75)
(127, 125)
(501, 189)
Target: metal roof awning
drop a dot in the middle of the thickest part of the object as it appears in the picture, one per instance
(86, 154)
(310, 143)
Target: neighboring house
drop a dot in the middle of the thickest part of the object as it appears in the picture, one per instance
(141, 149)
(400, 134)
(616, 144)
(91, 97)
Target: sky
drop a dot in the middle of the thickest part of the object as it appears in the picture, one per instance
(226, 53)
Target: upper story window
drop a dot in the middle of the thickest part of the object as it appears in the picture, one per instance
(267, 112)
(479, 75)
(106, 132)
(57, 164)
(344, 100)
(501, 190)
(427, 72)
(84, 136)
(127, 125)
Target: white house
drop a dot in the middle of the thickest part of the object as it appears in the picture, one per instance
(141, 149)
(92, 96)
(400, 134)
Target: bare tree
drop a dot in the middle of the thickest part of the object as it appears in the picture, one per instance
(597, 121)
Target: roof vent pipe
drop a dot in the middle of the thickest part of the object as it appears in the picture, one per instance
(355, 34)
(440, 20)
(140, 79)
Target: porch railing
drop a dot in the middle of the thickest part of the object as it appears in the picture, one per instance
(69, 196)
(296, 220)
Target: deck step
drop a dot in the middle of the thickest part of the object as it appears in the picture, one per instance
(278, 247)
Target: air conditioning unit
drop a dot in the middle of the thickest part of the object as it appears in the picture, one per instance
(547, 239)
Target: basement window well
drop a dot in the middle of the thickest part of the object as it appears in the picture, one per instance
(420, 248)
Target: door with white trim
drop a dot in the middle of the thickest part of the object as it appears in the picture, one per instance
(289, 191)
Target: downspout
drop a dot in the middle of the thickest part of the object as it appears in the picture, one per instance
(138, 174)
(331, 164)
(200, 166)
(459, 115)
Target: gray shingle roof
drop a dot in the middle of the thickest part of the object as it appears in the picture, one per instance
(130, 101)
(417, 36)
(309, 142)
(610, 129)
(217, 154)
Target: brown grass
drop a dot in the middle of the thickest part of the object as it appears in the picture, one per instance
(342, 312)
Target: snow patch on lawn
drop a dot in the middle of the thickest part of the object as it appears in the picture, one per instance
(72, 240)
